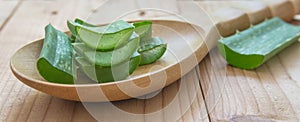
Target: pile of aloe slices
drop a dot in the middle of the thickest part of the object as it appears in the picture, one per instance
(104, 53)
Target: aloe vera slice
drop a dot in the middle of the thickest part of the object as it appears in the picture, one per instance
(108, 58)
(109, 74)
(105, 38)
(77, 22)
(143, 29)
(251, 48)
(55, 63)
(152, 50)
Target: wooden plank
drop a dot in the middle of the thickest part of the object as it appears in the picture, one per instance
(132, 10)
(9, 98)
(281, 8)
(257, 11)
(153, 104)
(171, 103)
(197, 108)
(296, 4)
(65, 110)
(212, 20)
(14, 110)
(162, 7)
(7, 8)
(19, 103)
(287, 76)
(265, 94)
(191, 12)
(80, 114)
(227, 24)
(35, 107)
(178, 102)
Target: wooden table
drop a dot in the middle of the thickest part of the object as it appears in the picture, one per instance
(207, 93)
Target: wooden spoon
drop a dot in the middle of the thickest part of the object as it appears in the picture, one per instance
(185, 50)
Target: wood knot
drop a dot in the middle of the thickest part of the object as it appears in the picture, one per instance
(54, 12)
(142, 13)
(94, 10)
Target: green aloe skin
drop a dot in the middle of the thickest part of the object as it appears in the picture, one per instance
(108, 58)
(251, 48)
(105, 38)
(151, 49)
(109, 74)
(72, 27)
(77, 22)
(55, 63)
(143, 29)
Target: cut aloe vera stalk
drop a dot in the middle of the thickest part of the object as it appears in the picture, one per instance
(152, 50)
(105, 38)
(109, 74)
(108, 58)
(55, 63)
(78, 22)
(251, 48)
(143, 29)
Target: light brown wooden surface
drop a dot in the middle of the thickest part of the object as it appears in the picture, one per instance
(207, 93)
(256, 10)
(8, 8)
(281, 8)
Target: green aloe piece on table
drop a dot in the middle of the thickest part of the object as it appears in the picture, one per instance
(55, 63)
(251, 48)
(152, 50)
(109, 74)
(108, 58)
(105, 38)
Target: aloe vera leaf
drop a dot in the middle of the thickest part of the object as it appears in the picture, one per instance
(251, 48)
(152, 50)
(143, 29)
(55, 63)
(108, 58)
(109, 74)
(77, 22)
(150, 56)
(105, 38)
(150, 44)
(81, 22)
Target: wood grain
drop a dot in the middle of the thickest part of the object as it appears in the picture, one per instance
(296, 4)
(228, 23)
(131, 10)
(281, 8)
(256, 10)
(8, 8)
(267, 93)
(19, 102)
(270, 93)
